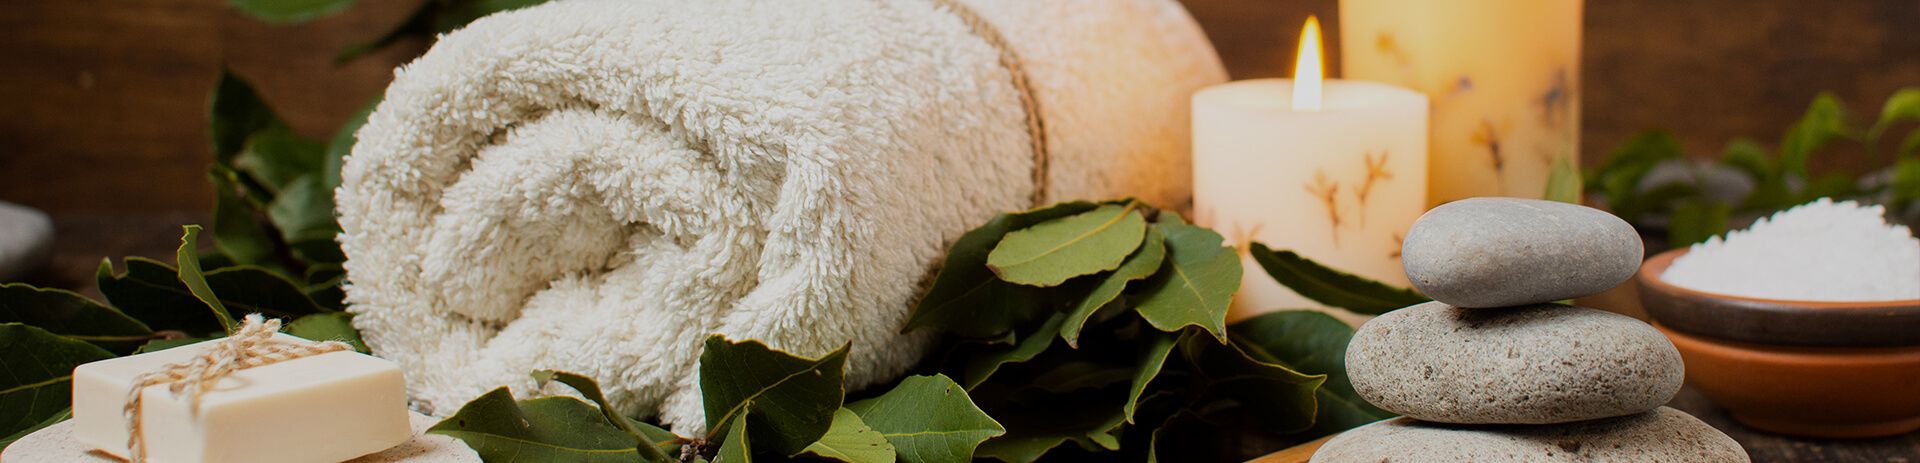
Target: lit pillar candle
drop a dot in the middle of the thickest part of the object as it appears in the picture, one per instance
(1504, 76)
(1338, 183)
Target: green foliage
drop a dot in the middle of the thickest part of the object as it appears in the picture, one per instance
(1563, 181)
(547, 429)
(792, 398)
(72, 316)
(1314, 343)
(851, 441)
(967, 298)
(928, 419)
(1195, 284)
(1053, 251)
(1781, 178)
(331, 326)
(1332, 287)
(38, 384)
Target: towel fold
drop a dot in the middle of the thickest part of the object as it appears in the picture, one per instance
(596, 186)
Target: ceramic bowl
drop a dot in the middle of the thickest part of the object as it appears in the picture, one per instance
(1815, 369)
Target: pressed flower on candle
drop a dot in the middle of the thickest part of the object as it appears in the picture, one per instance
(1334, 170)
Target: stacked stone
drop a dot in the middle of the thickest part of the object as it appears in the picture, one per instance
(1494, 371)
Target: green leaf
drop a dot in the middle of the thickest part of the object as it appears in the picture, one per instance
(1053, 251)
(164, 344)
(928, 419)
(738, 447)
(1142, 264)
(1332, 287)
(276, 156)
(1043, 422)
(1168, 218)
(1825, 120)
(72, 316)
(235, 231)
(645, 434)
(1695, 221)
(1563, 181)
(1904, 105)
(304, 211)
(1194, 284)
(981, 366)
(1311, 342)
(539, 430)
(153, 293)
(333, 326)
(36, 374)
(851, 441)
(1281, 398)
(967, 298)
(1659, 199)
(289, 11)
(1619, 175)
(793, 398)
(1830, 185)
(235, 112)
(64, 415)
(1170, 432)
(1748, 156)
(189, 264)
(1906, 180)
(1152, 359)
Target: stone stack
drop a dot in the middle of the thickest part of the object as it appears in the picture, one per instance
(1494, 371)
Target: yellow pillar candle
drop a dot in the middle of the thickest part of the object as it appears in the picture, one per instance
(1504, 76)
(1338, 184)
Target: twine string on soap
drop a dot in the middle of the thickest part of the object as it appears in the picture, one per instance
(251, 346)
(1036, 127)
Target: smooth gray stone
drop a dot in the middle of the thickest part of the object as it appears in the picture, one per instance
(1663, 435)
(26, 240)
(1498, 252)
(1537, 364)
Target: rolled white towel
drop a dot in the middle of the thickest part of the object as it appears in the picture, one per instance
(596, 186)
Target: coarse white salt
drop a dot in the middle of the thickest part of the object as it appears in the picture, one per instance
(1819, 251)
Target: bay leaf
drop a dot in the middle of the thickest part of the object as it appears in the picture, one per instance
(851, 441)
(235, 112)
(289, 11)
(1195, 284)
(738, 447)
(928, 419)
(235, 231)
(1282, 399)
(981, 366)
(1152, 358)
(792, 397)
(332, 326)
(1332, 287)
(1142, 264)
(152, 292)
(72, 316)
(967, 298)
(1311, 342)
(1037, 423)
(649, 437)
(539, 430)
(36, 374)
(1050, 252)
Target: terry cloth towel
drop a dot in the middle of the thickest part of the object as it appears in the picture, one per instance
(595, 186)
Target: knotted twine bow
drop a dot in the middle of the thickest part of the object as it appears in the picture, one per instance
(249, 347)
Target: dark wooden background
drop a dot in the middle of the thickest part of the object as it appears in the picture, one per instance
(102, 103)
(104, 99)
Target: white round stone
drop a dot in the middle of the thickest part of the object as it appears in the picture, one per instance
(1538, 364)
(1662, 435)
(1498, 252)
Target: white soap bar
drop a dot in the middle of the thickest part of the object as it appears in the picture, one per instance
(326, 408)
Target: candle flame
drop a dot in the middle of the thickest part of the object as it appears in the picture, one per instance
(1307, 69)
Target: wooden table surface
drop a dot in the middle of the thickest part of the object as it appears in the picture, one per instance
(84, 239)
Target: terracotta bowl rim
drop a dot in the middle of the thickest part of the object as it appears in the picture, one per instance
(1655, 266)
(1782, 354)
